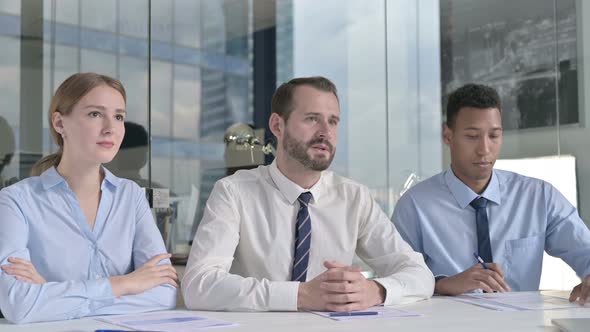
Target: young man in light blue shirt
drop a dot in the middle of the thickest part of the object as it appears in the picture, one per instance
(473, 210)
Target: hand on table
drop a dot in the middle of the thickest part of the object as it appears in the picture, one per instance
(340, 288)
(581, 292)
(476, 277)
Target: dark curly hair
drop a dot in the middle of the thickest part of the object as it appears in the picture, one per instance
(471, 95)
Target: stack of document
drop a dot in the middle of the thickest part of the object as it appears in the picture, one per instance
(165, 321)
(516, 301)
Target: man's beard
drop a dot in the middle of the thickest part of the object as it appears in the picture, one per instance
(298, 151)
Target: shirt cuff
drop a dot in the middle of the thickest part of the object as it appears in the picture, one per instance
(100, 293)
(283, 296)
(439, 277)
(398, 292)
(392, 290)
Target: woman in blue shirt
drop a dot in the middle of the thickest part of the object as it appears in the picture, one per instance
(75, 240)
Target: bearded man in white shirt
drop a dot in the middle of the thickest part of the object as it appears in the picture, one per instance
(282, 237)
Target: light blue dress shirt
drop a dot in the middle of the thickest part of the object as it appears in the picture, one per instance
(42, 221)
(526, 216)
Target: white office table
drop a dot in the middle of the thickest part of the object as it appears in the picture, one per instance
(439, 313)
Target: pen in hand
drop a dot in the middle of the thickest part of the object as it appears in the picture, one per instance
(485, 266)
(479, 260)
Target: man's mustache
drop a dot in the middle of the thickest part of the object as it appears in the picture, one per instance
(321, 141)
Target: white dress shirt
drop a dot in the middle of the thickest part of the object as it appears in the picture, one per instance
(242, 254)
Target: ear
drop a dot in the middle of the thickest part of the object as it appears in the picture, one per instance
(447, 134)
(57, 122)
(276, 125)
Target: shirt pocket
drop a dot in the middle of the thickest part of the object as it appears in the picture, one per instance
(524, 261)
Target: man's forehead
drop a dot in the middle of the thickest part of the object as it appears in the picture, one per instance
(472, 114)
(476, 111)
(325, 109)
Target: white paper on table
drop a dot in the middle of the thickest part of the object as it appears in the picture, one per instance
(483, 303)
(165, 321)
(516, 301)
(382, 312)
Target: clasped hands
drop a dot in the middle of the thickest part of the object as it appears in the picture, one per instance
(340, 288)
(148, 276)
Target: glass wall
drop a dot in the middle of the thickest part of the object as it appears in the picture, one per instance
(9, 100)
(187, 68)
(192, 68)
(384, 58)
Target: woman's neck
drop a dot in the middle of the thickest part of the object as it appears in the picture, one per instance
(84, 181)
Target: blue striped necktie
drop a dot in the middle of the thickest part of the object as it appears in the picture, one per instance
(484, 246)
(302, 239)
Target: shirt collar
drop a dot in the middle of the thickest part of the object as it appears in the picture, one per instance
(51, 178)
(110, 178)
(464, 195)
(291, 190)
